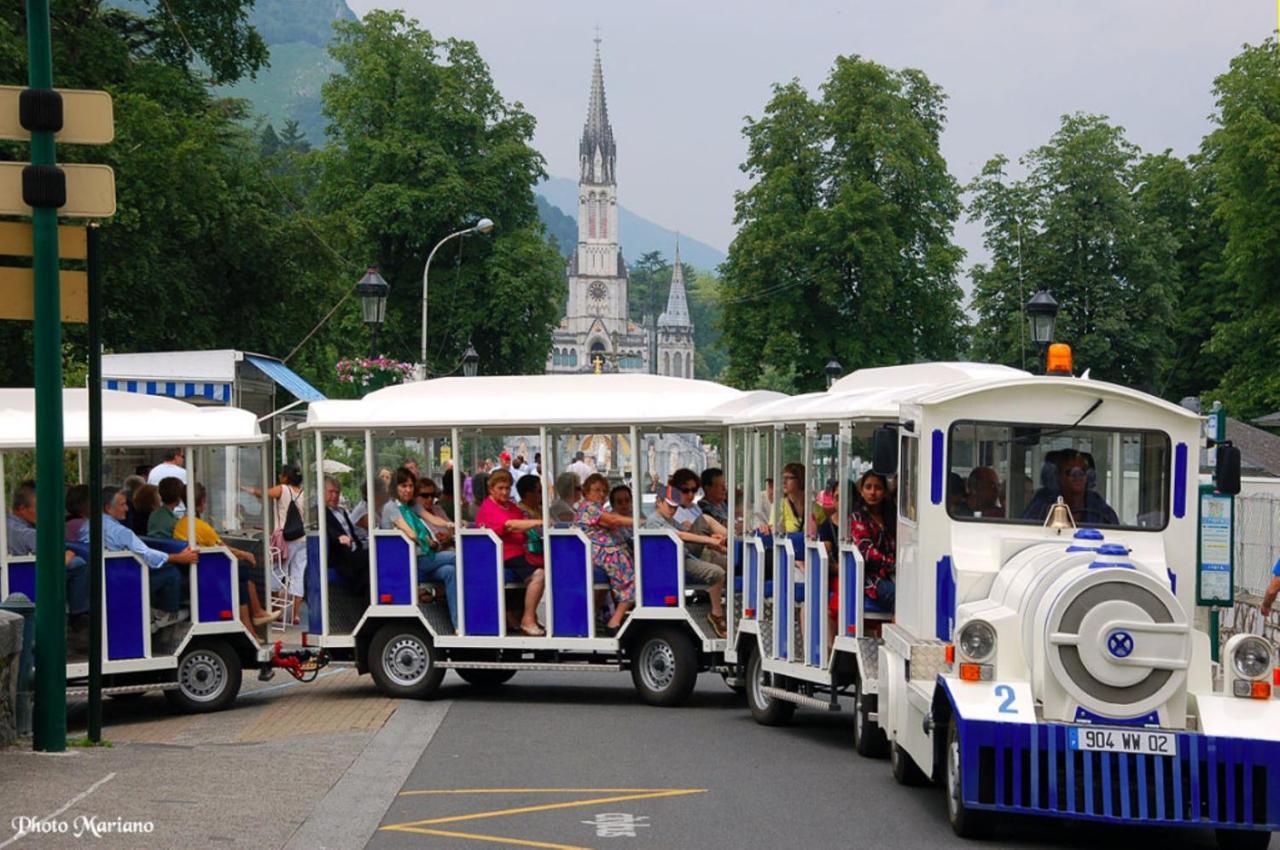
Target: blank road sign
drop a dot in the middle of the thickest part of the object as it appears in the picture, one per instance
(86, 117)
(91, 191)
(17, 294)
(15, 241)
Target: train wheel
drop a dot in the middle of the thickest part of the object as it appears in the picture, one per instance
(665, 666)
(485, 678)
(904, 767)
(869, 740)
(402, 661)
(208, 678)
(766, 710)
(965, 822)
(1242, 839)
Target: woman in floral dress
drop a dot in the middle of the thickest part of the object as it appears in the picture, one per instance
(608, 546)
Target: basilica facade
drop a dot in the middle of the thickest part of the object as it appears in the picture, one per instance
(596, 333)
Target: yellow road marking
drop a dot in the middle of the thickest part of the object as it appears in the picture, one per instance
(535, 791)
(547, 807)
(495, 839)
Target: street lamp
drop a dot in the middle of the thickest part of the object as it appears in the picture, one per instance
(484, 225)
(833, 370)
(1042, 312)
(373, 290)
(470, 361)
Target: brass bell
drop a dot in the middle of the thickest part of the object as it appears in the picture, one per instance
(1059, 517)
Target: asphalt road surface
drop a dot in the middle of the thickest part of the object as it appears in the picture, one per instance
(576, 761)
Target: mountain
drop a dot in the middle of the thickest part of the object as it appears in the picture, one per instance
(639, 234)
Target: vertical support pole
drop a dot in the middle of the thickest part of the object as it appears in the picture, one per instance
(637, 496)
(95, 483)
(731, 479)
(371, 515)
(50, 720)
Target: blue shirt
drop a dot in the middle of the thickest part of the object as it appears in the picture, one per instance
(1275, 571)
(116, 537)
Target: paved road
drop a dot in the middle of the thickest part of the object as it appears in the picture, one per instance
(561, 760)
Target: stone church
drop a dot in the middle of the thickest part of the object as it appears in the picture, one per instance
(596, 333)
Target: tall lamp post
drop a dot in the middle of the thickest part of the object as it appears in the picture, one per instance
(833, 370)
(373, 290)
(1042, 312)
(484, 225)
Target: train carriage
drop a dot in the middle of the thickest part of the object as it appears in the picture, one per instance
(1044, 656)
(198, 660)
(407, 645)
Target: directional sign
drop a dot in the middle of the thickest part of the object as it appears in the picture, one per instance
(16, 284)
(87, 117)
(91, 191)
(15, 240)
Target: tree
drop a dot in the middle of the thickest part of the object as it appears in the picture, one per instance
(844, 243)
(1242, 155)
(421, 144)
(1082, 238)
(292, 137)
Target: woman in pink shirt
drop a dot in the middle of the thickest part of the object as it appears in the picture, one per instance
(503, 517)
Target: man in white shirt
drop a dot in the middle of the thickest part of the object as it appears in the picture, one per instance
(579, 467)
(171, 467)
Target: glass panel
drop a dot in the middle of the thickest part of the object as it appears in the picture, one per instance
(909, 479)
(1107, 477)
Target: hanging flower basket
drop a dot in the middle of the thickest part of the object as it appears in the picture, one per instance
(366, 374)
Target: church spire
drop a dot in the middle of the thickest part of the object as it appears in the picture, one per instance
(677, 312)
(597, 152)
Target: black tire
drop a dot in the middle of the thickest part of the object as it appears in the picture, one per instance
(664, 666)
(765, 710)
(485, 678)
(869, 740)
(1242, 839)
(904, 767)
(965, 822)
(402, 661)
(208, 676)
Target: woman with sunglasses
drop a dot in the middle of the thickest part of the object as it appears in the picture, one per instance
(433, 565)
(428, 507)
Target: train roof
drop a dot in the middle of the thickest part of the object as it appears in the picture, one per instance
(128, 419)
(529, 401)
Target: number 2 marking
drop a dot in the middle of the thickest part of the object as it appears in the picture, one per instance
(1006, 707)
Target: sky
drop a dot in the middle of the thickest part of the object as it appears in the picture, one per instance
(681, 76)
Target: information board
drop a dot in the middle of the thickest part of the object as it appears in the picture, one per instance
(1215, 550)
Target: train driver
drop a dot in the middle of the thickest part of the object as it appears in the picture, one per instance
(1075, 483)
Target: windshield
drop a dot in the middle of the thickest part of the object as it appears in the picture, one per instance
(1015, 473)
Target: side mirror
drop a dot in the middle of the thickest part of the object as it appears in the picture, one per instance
(1226, 478)
(884, 450)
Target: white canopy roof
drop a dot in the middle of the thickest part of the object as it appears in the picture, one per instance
(128, 419)
(512, 402)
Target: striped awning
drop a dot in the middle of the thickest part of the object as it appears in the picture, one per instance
(220, 392)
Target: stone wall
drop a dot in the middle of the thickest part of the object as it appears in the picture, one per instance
(1245, 617)
(10, 649)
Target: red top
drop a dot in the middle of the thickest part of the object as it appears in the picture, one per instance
(494, 517)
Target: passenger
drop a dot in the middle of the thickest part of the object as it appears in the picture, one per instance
(360, 513)
(690, 517)
(288, 491)
(77, 504)
(145, 500)
(579, 467)
(715, 496)
(433, 565)
(411, 465)
(529, 489)
(1273, 589)
(504, 518)
(956, 493)
(698, 569)
(982, 494)
(479, 487)
(1075, 482)
(171, 467)
(874, 528)
(167, 580)
(445, 502)
(429, 509)
(131, 485)
(760, 516)
(609, 549)
(160, 523)
(790, 519)
(348, 553)
(384, 475)
(568, 492)
(620, 503)
(21, 527)
(252, 614)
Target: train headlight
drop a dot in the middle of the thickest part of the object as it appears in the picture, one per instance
(977, 640)
(1252, 658)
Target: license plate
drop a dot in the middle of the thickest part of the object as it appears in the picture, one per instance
(1138, 741)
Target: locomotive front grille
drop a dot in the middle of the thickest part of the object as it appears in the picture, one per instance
(1211, 782)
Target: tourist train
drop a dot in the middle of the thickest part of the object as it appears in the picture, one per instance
(1034, 645)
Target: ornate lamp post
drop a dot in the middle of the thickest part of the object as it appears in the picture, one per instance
(1042, 313)
(470, 361)
(833, 370)
(373, 290)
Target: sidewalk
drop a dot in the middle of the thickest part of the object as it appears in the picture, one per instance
(248, 777)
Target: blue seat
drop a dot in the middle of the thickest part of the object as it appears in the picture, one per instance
(797, 589)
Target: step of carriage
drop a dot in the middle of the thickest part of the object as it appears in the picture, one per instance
(831, 704)
(117, 690)
(567, 666)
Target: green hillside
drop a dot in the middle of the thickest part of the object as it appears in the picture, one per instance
(290, 88)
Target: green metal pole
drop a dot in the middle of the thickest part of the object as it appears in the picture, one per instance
(95, 482)
(50, 716)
